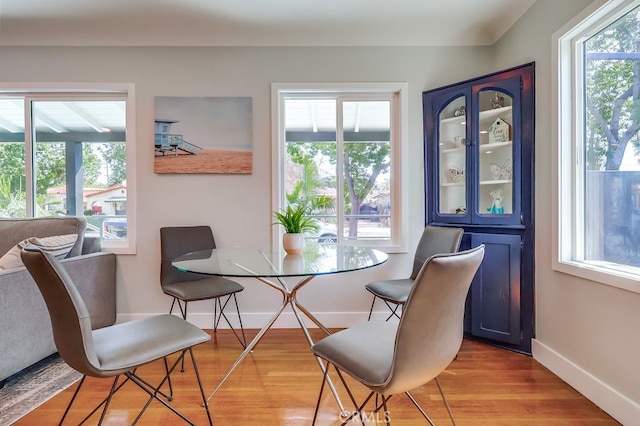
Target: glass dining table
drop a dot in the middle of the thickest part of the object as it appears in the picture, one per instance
(272, 267)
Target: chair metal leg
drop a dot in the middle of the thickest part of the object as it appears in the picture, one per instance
(73, 398)
(373, 302)
(324, 380)
(353, 400)
(218, 317)
(183, 312)
(379, 406)
(88, 416)
(153, 391)
(393, 309)
(359, 408)
(387, 419)
(244, 339)
(444, 399)
(114, 388)
(166, 369)
(204, 398)
(142, 386)
(105, 402)
(420, 408)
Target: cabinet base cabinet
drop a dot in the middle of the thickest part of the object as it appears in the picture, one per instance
(495, 291)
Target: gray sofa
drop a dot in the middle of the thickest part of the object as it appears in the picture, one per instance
(25, 329)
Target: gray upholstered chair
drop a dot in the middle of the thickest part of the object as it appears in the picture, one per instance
(434, 240)
(391, 358)
(187, 287)
(114, 350)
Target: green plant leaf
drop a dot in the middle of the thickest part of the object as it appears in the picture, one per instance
(295, 220)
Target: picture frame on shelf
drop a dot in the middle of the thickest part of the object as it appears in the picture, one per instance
(499, 131)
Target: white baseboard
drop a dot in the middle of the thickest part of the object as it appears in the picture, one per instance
(604, 396)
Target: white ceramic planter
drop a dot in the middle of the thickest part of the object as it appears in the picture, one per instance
(293, 243)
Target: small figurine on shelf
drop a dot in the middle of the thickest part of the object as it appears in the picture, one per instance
(496, 207)
(497, 102)
(460, 210)
(460, 111)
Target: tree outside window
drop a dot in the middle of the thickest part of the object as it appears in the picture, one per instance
(611, 145)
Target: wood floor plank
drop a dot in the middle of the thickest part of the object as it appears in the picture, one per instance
(278, 385)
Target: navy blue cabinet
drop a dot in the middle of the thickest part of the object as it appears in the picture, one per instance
(479, 147)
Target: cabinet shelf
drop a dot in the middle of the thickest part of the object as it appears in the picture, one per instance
(494, 113)
(495, 182)
(488, 146)
(451, 150)
(483, 115)
(483, 147)
(452, 184)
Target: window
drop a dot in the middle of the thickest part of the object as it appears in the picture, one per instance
(598, 147)
(69, 153)
(340, 154)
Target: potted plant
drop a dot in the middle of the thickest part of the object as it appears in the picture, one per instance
(295, 221)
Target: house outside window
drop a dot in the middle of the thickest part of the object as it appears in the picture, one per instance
(69, 153)
(339, 153)
(598, 147)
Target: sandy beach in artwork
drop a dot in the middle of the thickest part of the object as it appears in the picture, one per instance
(206, 161)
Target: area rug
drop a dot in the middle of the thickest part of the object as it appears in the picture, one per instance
(33, 386)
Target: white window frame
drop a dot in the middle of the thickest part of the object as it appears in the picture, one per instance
(399, 153)
(97, 91)
(568, 114)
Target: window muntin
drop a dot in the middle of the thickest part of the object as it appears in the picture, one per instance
(598, 161)
(78, 151)
(358, 133)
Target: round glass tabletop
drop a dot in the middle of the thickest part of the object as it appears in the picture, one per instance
(316, 259)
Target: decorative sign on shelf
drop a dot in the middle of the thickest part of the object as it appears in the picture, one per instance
(499, 131)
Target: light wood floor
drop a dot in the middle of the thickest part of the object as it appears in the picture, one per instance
(278, 385)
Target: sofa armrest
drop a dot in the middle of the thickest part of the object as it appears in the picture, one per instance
(91, 244)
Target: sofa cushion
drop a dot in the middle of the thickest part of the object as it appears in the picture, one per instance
(58, 245)
(13, 231)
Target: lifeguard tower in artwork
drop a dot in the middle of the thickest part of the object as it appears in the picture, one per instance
(167, 142)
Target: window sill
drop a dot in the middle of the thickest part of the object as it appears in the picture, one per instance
(118, 247)
(614, 275)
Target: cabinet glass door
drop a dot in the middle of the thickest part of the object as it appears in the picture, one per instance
(495, 153)
(497, 147)
(452, 159)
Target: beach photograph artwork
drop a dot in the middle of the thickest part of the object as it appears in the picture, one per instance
(203, 135)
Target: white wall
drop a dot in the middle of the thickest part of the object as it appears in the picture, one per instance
(586, 332)
(238, 206)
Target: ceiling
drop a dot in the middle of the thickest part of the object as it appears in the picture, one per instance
(257, 22)
(238, 23)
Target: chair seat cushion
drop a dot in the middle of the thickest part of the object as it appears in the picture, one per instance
(364, 351)
(121, 347)
(206, 288)
(395, 291)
